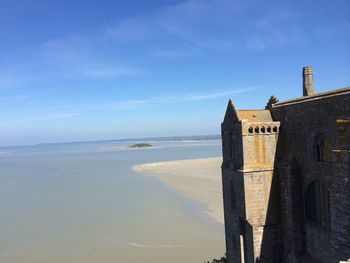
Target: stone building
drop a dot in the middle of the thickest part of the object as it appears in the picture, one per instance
(286, 179)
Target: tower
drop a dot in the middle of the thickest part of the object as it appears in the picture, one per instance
(249, 140)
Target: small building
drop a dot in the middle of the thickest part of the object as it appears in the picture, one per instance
(286, 179)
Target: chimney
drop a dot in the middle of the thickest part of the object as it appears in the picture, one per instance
(308, 84)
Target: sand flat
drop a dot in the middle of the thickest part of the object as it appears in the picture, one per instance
(197, 179)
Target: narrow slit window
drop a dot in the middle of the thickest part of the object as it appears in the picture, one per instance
(318, 148)
(233, 196)
(232, 149)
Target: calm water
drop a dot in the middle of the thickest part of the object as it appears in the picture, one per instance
(82, 203)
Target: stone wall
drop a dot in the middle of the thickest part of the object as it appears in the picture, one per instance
(301, 123)
(286, 181)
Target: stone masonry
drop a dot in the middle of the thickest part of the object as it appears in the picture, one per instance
(286, 179)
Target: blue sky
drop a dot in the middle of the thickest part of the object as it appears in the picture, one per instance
(89, 70)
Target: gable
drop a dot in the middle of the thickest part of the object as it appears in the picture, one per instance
(231, 113)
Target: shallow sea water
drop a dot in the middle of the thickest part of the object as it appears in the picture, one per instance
(70, 203)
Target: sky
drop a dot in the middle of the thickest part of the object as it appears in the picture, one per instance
(109, 69)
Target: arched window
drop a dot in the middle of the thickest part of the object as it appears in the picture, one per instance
(250, 130)
(274, 129)
(268, 129)
(263, 129)
(257, 130)
(318, 148)
(317, 204)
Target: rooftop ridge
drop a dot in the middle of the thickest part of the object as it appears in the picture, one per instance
(253, 110)
(316, 96)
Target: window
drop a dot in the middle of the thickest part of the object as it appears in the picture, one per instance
(318, 148)
(257, 129)
(274, 129)
(232, 148)
(263, 129)
(250, 130)
(233, 196)
(317, 204)
(268, 129)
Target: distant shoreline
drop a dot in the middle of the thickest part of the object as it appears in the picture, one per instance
(148, 139)
(197, 179)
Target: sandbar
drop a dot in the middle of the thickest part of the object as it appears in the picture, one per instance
(197, 179)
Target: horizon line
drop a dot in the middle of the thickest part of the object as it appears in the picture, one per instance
(158, 138)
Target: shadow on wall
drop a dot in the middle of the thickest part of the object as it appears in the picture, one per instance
(270, 243)
(284, 232)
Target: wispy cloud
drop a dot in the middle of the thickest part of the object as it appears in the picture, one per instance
(108, 26)
(80, 56)
(62, 115)
(56, 110)
(202, 96)
(162, 100)
(108, 71)
(175, 53)
(190, 29)
(195, 24)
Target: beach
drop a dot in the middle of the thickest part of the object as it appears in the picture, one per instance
(197, 179)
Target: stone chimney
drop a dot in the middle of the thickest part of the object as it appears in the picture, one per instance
(308, 84)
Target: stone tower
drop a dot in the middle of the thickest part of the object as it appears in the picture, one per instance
(308, 84)
(249, 187)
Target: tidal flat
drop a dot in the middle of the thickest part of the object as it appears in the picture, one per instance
(77, 203)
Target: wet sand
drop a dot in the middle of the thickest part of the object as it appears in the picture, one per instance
(197, 179)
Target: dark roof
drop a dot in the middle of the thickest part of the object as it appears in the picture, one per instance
(316, 96)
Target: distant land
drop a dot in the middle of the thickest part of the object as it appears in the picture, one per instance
(155, 139)
(140, 145)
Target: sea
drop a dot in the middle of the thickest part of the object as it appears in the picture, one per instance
(81, 202)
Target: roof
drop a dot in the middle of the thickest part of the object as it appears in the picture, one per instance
(255, 115)
(317, 96)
